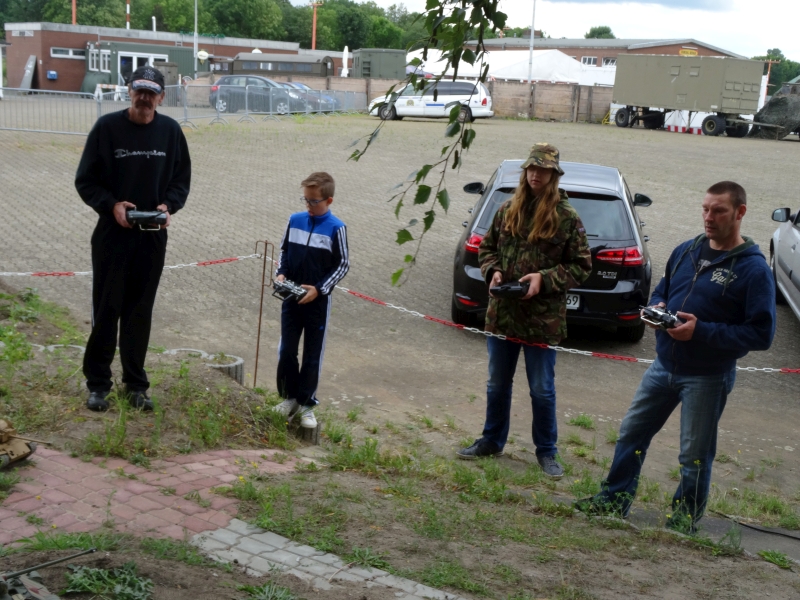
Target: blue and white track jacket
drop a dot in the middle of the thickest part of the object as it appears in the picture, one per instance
(314, 251)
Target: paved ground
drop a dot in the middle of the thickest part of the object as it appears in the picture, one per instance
(247, 182)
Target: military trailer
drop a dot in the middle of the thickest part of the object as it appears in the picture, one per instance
(652, 86)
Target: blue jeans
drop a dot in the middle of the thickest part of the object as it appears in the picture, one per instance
(540, 367)
(702, 399)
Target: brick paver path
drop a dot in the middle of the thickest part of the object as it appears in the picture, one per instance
(75, 496)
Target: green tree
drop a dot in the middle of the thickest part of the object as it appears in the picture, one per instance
(601, 32)
(102, 13)
(384, 34)
(259, 19)
(781, 72)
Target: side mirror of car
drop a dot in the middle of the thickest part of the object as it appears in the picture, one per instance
(781, 215)
(641, 200)
(475, 187)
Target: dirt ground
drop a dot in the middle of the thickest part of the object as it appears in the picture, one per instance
(397, 367)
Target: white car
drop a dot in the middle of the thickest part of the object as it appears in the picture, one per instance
(476, 103)
(784, 258)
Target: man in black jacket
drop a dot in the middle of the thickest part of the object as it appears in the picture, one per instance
(135, 158)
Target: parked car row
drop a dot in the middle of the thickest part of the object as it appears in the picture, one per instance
(233, 93)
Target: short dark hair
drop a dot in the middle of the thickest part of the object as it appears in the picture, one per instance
(737, 194)
(321, 180)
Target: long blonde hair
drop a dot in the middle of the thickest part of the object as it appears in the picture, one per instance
(545, 217)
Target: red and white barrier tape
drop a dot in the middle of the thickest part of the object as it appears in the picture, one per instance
(617, 357)
(203, 263)
(402, 309)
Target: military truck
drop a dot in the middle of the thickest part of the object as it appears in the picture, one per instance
(652, 86)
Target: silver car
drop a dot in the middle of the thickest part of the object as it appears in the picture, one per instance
(784, 258)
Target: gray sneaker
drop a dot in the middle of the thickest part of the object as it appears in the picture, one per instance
(551, 467)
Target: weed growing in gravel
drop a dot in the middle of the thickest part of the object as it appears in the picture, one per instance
(582, 420)
(171, 550)
(769, 509)
(449, 573)
(117, 584)
(45, 542)
(354, 413)
(8, 479)
(367, 557)
(776, 558)
(612, 435)
(268, 591)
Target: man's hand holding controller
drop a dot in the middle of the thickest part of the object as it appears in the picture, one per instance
(683, 330)
(121, 208)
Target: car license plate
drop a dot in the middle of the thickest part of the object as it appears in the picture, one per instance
(573, 301)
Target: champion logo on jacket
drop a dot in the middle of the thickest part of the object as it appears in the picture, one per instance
(314, 251)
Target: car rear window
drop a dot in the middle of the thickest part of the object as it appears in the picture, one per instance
(603, 217)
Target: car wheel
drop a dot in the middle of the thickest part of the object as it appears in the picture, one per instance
(282, 107)
(779, 297)
(387, 113)
(631, 334)
(462, 317)
(623, 117)
(713, 125)
(465, 115)
(222, 105)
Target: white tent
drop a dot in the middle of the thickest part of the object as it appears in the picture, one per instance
(511, 65)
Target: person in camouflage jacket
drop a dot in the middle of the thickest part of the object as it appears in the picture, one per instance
(564, 262)
(538, 238)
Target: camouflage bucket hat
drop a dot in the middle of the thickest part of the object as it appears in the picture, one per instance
(544, 155)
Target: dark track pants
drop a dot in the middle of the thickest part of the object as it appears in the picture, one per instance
(311, 320)
(126, 271)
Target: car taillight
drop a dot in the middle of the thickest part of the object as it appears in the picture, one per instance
(625, 257)
(473, 242)
(214, 88)
(484, 102)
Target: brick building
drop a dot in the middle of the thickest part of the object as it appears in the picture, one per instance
(603, 53)
(66, 55)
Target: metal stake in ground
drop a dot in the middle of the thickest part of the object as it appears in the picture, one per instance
(268, 256)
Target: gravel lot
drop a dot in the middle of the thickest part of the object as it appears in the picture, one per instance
(246, 183)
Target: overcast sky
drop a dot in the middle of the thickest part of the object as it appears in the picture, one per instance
(746, 27)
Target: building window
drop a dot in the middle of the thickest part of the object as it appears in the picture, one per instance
(302, 67)
(105, 61)
(285, 66)
(250, 66)
(589, 60)
(610, 61)
(68, 53)
(266, 66)
(93, 60)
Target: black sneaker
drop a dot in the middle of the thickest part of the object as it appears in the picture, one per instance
(480, 449)
(551, 467)
(97, 401)
(140, 401)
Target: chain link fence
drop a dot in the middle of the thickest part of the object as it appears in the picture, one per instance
(191, 105)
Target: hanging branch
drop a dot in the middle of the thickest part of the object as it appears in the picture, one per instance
(450, 24)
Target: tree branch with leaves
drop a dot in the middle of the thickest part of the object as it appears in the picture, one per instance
(450, 26)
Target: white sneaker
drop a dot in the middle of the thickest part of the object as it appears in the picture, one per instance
(287, 408)
(307, 419)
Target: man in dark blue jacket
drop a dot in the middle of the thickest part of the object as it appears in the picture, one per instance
(722, 290)
(313, 255)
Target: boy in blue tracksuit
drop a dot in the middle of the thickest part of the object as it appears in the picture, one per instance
(722, 290)
(314, 255)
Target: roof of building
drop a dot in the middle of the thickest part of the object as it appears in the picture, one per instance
(289, 58)
(795, 80)
(629, 44)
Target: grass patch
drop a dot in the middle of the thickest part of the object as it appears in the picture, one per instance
(117, 584)
(768, 509)
(583, 421)
(268, 591)
(172, 550)
(44, 542)
(449, 573)
(367, 557)
(612, 435)
(776, 558)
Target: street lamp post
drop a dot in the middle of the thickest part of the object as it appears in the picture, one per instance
(195, 39)
(530, 64)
